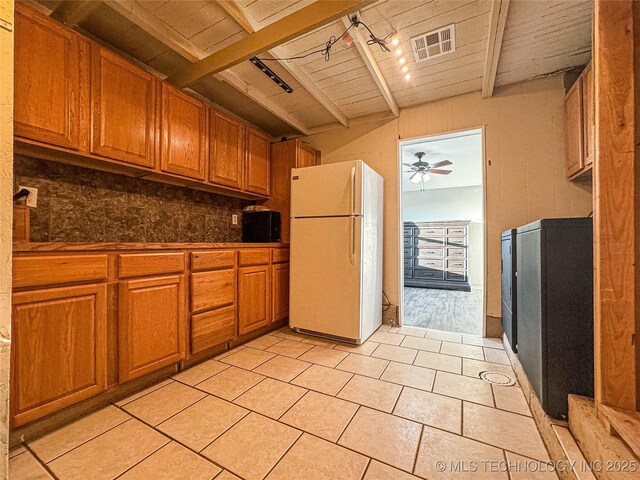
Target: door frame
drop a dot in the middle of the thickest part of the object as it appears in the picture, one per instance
(401, 142)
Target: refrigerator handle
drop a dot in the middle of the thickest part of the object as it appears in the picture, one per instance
(353, 191)
(352, 240)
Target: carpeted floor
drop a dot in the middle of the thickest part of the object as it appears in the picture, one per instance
(448, 310)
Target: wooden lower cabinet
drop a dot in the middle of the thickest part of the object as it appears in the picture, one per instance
(59, 350)
(212, 328)
(254, 298)
(152, 324)
(280, 291)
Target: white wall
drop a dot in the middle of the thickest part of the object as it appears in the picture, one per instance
(524, 155)
(461, 203)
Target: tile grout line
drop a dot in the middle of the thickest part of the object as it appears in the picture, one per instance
(185, 445)
(44, 465)
(302, 432)
(144, 458)
(366, 468)
(415, 458)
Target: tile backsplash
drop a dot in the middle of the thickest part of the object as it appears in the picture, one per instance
(81, 205)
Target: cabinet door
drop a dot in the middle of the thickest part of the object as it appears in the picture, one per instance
(59, 354)
(47, 78)
(122, 109)
(254, 299)
(573, 129)
(588, 112)
(307, 156)
(258, 166)
(226, 150)
(183, 134)
(152, 324)
(280, 291)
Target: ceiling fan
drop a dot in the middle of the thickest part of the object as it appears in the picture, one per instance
(421, 171)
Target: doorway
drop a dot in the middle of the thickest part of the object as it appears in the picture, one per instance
(442, 232)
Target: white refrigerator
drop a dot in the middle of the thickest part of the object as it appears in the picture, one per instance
(336, 251)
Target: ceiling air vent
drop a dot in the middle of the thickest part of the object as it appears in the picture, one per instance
(434, 44)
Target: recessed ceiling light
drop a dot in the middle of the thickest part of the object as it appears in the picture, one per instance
(399, 52)
(405, 69)
(402, 60)
(395, 41)
(408, 76)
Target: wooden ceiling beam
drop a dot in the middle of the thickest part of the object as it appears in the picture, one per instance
(499, 11)
(72, 12)
(372, 65)
(281, 31)
(235, 10)
(155, 27)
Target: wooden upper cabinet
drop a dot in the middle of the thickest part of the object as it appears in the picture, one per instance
(152, 324)
(183, 134)
(47, 80)
(226, 150)
(307, 156)
(123, 109)
(254, 298)
(588, 112)
(573, 129)
(59, 349)
(258, 164)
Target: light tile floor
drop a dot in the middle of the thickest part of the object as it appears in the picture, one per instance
(286, 406)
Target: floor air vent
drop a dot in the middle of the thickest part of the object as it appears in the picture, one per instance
(434, 44)
(498, 378)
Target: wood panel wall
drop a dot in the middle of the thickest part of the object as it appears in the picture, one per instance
(525, 178)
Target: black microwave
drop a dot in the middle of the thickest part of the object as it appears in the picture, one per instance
(261, 226)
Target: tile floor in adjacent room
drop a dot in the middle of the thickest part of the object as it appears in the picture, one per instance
(286, 406)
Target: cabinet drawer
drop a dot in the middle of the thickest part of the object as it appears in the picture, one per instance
(428, 242)
(408, 232)
(280, 255)
(456, 241)
(213, 260)
(56, 269)
(408, 252)
(456, 231)
(408, 241)
(212, 328)
(253, 257)
(455, 252)
(428, 263)
(428, 273)
(431, 252)
(429, 232)
(456, 276)
(408, 263)
(456, 264)
(138, 264)
(212, 289)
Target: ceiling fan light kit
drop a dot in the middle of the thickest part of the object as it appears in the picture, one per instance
(421, 171)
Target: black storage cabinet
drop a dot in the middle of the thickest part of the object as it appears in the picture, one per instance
(555, 309)
(509, 285)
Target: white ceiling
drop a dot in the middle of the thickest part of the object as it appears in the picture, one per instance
(464, 150)
(541, 37)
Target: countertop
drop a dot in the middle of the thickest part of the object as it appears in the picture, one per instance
(110, 246)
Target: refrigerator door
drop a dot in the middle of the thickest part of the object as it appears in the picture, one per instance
(325, 291)
(330, 190)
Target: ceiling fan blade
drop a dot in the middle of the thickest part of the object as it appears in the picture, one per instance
(443, 163)
(408, 165)
(440, 172)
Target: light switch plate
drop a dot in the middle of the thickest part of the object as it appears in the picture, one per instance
(32, 199)
(234, 219)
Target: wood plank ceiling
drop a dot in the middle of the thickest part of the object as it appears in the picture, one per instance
(540, 38)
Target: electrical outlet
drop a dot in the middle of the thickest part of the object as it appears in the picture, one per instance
(234, 219)
(32, 199)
